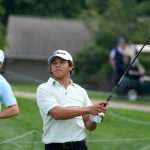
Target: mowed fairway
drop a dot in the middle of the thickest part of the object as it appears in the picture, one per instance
(25, 123)
(120, 130)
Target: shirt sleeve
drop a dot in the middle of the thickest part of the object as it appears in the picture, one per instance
(45, 100)
(87, 101)
(7, 95)
(112, 54)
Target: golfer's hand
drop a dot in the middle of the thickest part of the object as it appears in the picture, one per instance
(98, 118)
(99, 107)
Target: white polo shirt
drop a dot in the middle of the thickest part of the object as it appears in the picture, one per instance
(51, 94)
(113, 52)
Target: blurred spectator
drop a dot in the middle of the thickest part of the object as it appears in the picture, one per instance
(136, 70)
(6, 95)
(116, 60)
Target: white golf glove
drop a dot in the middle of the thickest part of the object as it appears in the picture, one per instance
(98, 118)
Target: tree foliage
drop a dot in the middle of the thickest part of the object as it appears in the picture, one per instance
(49, 8)
(107, 19)
(43, 8)
(89, 62)
(121, 18)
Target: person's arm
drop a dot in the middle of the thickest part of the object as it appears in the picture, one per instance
(112, 59)
(112, 62)
(8, 99)
(63, 113)
(88, 123)
(9, 112)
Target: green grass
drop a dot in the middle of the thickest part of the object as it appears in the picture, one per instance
(92, 94)
(102, 95)
(29, 119)
(98, 95)
(129, 125)
(26, 88)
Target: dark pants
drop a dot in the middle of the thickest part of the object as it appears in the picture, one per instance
(116, 76)
(79, 145)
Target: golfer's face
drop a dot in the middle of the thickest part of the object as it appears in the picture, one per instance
(60, 67)
(122, 44)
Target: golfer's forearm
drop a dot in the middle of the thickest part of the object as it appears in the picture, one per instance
(9, 112)
(60, 113)
(88, 123)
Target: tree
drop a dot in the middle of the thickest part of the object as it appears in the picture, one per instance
(121, 18)
(46, 8)
(43, 8)
(2, 27)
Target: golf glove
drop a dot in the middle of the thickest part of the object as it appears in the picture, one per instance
(98, 118)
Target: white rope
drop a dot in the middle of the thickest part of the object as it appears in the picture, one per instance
(26, 142)
(18, 137)
(10, 141)
(118, 140)
(22, 77)
(37, 132)
(129, 120)
(145, 147)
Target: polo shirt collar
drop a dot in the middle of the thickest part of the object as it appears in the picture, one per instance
(53, 81)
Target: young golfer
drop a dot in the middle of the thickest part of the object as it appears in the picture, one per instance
(6, 95)
(65, 107)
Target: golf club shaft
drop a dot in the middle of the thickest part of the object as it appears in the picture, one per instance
(129, 66)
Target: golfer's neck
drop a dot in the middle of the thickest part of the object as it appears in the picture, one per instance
(64, 81)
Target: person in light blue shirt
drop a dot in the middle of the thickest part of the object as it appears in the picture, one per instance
(6, 95)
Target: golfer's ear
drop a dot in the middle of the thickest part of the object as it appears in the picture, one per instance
(49, 69)
(71, 68)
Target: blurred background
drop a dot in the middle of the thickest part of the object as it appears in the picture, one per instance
(89, 29)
